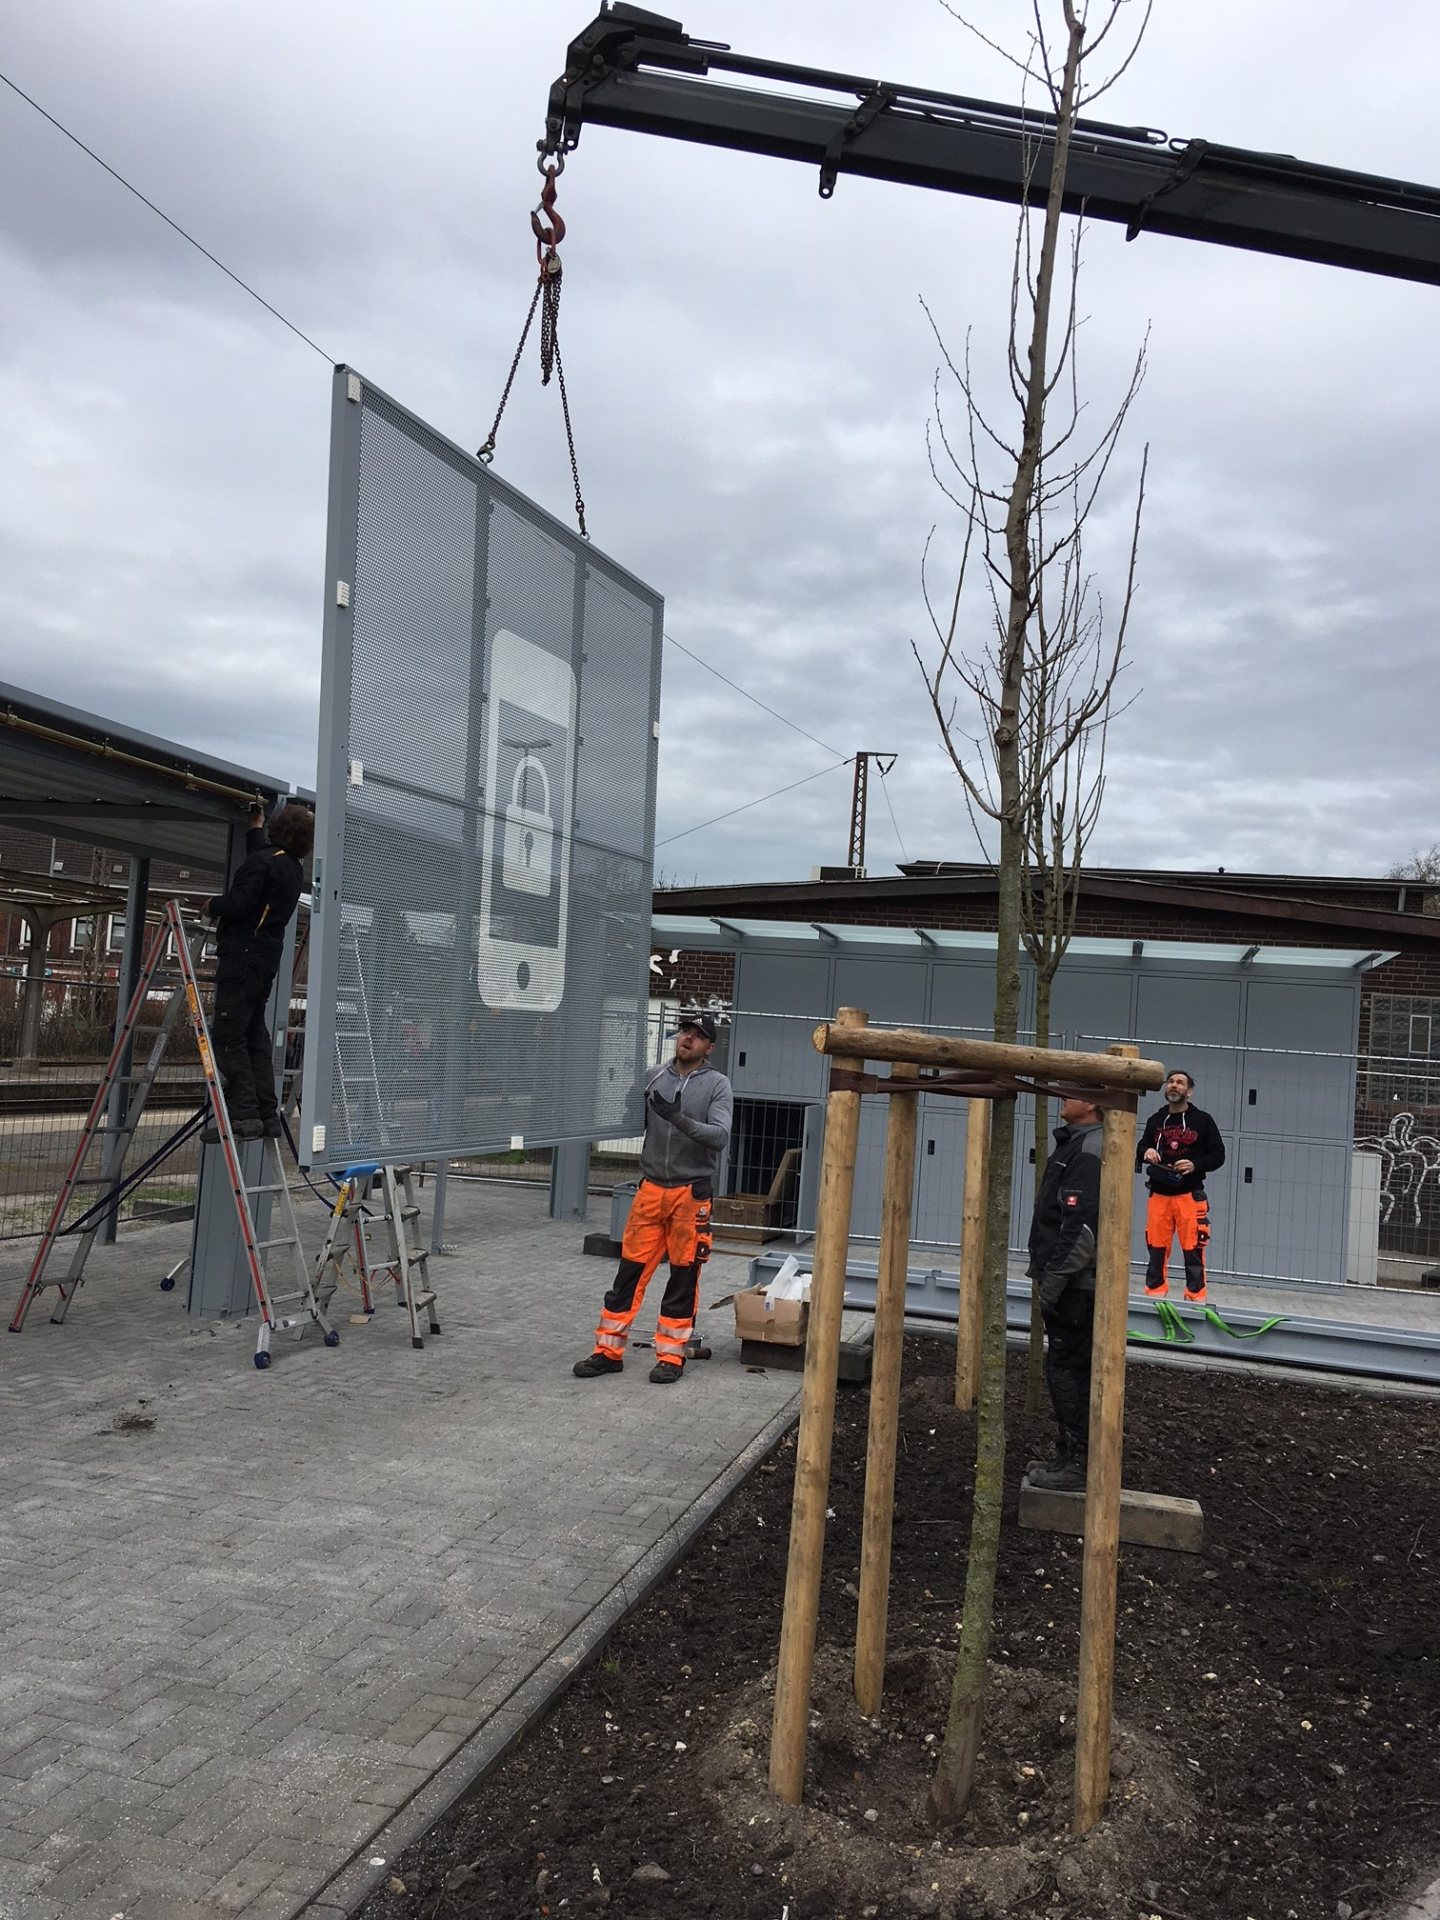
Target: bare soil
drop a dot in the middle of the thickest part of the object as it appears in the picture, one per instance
(1276, 1714)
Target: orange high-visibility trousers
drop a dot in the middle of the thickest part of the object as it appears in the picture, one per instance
(1184, 1217)
(665, 1222)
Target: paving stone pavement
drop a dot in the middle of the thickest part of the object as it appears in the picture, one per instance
(237, 1642)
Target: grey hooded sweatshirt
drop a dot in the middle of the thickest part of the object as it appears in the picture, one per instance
(679, 1152)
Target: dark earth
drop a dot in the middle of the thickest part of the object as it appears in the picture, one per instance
(1277, 1697)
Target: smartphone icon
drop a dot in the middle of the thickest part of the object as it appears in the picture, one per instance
(525, 871)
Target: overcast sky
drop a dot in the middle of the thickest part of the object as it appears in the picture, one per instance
(750, 372)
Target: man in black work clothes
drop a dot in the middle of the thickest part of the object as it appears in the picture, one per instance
(1063, 1234)
(251, 917)
(1179, 1146)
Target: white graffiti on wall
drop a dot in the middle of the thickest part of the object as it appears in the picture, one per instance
(1409, 1161)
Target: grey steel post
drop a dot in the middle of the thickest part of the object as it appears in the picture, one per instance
(42, 922)
(437, 1206)
(131, 959)
(570, 1180)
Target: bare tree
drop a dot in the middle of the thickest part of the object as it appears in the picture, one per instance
(1075, 655)
(1424, 867)
(1023, 498)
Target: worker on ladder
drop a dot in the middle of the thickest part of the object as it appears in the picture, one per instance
(688, 1106)
(251, 917)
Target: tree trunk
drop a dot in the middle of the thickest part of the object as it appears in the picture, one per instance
(955, 1772)
(1035, 1367)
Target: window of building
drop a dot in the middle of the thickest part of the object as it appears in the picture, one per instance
(82, 935)
(115, 933)
(1404, 1064)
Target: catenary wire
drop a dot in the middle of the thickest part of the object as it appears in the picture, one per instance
(884, 788)
(774, 714)
(161, 214)
(300, 334)
(686, 831)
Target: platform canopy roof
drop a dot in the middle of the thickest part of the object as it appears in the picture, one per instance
(81, 777)
(735, 934)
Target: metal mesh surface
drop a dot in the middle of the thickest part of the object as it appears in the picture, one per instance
(479, 966)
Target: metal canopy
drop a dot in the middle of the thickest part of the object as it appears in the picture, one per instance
(736, 935)
(84, 778)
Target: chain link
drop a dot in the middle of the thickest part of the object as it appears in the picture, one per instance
(547, 298)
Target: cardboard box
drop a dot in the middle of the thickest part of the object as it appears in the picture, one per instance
(782, 1323)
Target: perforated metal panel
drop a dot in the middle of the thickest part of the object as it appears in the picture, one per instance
(478, 969)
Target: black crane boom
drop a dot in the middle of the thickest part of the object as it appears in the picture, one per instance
(640, 71)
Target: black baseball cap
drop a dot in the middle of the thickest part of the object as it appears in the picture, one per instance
(701, 1022)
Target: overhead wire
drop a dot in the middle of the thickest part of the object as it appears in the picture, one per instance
(300, 334)
(774, 713)
(893, 821)
(759, 802)
(161, 214)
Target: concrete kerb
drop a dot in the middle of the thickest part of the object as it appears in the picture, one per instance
(534, 1698)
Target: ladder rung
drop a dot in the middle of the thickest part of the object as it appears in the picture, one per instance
(281, 1188)
(423, 1299)
(409, 1213)
(285, 1240)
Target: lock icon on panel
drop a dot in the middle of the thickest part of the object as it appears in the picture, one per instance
(529, 832)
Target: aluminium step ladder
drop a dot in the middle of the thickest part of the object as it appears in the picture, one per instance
(357, 1075)
(279, 1311)
(407, 1266)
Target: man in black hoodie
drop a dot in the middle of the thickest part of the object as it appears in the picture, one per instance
(1063, 1234)
(1179, 1146)
(251, 917)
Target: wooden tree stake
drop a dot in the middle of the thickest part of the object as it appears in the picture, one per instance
(885, 1396)
(972, 1253)
(812, 1451)
(1102, 1493)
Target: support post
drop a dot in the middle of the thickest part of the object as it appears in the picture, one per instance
(131, 960)
(812, 1450)
(1102, 1492)
(971, 1322)
(42, 922)
(885, 1396)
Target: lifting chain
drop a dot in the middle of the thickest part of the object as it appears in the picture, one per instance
(549, 229)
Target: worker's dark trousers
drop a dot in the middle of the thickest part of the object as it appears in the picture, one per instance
(243, 1050)
(1069, 1338)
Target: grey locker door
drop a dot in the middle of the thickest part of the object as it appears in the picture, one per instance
(777, 1056)
(865, 1205)
(1194, 1024)
(962, 994)
(1291, 1203)
(811, 1146)
(892, 992)
(1299, 1069)
(1093, 1002)
(940, 1176)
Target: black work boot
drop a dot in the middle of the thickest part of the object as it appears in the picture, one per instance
(596, 1367)
(665, 1373)
(1066, 1475)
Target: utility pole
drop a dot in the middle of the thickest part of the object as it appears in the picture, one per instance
(883, 764)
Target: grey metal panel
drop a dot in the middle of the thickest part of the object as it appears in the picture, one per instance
(1194, 1023)
(892, 992)
(962, 994)
(1306, 1091)
(486, 803)
(777, 1056)
(940, 1172)
(1093, 1000)
(1291, 1201)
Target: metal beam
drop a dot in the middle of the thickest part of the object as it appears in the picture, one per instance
(1192, 190)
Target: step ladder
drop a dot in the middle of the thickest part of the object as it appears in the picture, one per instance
(357, 1076)
(406, 1266)
(280, 1311)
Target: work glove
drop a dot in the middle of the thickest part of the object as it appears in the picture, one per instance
(667, 1109)
(1050, 1288)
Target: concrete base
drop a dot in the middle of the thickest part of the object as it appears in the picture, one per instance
(1146, 1519)
(857, 1342)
